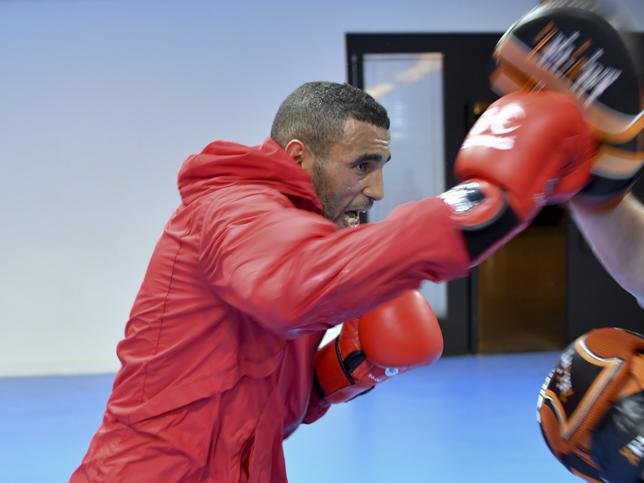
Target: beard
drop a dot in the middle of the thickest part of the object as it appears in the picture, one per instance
(322, 188)
(332, 203)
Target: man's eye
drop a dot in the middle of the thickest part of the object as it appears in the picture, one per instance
(363, 167)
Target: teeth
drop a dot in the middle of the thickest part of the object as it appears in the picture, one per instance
(352, 218)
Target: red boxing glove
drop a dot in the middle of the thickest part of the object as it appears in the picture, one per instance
(395, 337)
(522, 149)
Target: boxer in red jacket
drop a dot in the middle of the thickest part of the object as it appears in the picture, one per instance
(219, 355)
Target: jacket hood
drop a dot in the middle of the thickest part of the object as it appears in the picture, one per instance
(223, 163)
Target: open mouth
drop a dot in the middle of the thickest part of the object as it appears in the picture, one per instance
(352, 217)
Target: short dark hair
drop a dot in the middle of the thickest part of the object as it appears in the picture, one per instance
(316, 113)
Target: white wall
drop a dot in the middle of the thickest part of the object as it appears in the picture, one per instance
(100, 101)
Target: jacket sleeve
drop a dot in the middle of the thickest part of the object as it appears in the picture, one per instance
(293, 270)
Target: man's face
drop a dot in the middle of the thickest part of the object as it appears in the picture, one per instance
(349, 179)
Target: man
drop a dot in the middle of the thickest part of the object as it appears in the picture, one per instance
(218, 354)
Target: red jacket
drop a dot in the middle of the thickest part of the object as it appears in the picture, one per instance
(243, 282)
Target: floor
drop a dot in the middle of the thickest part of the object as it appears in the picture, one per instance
(464, 419)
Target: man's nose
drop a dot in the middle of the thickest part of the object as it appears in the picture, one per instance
(375, 187)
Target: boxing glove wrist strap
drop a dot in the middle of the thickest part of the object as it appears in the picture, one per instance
(338, 384)
(483, 214)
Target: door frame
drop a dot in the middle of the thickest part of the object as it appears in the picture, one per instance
(466, 67)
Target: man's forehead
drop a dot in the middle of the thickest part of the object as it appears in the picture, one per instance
(352, 123)
(366, 131)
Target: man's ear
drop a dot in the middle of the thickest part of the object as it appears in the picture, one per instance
(297, 150)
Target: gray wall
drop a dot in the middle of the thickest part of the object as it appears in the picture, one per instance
(101, 101)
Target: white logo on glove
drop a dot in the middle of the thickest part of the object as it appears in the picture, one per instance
(561, 53)
(492, 128)
(634, 451)
(463, 197)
